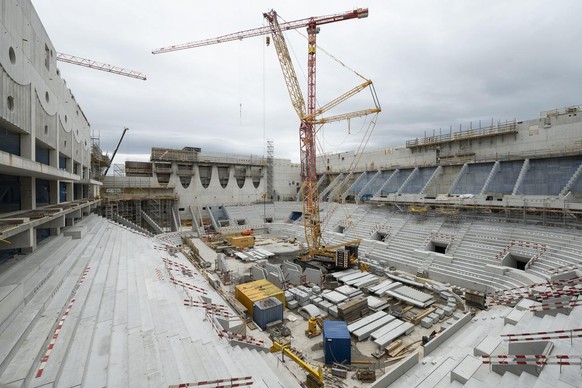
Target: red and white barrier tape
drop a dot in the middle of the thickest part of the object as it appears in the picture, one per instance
(536, 359)
(233, 382)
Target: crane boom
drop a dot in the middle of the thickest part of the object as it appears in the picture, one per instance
(286, 65)
(116, 148)
(99, 66)
(293, 25)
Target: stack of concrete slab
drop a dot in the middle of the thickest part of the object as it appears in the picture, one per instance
(364, 332)
(348, 291)
(292, 304)
(259, 254)
(394, 333)
(434, 317)
(289, 296)
(448, 310)
(376, 304)
(366, 320)
(426, 322)
(325, 305)
(353, 278)
(411, 296)
(380, 289)
(244, 257)
(300, 296)
(386, 328)
(333, 311)
(306, 289)
(334, 296)
(366, 281)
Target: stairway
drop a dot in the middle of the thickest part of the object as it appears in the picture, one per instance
(521, 177)
(571, 181)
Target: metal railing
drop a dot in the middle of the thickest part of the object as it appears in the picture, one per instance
(559, 111)
(491, 130)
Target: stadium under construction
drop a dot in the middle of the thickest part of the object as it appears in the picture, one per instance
(454, 259)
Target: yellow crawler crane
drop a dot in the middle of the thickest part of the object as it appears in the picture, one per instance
(314, 377)
(329, 255)
(419, 209)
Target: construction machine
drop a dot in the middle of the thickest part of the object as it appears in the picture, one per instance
(314, 326)
(248, 232)
(314, 376)
(364, 267)
(334, 257)
(310, 117)
(116, 149)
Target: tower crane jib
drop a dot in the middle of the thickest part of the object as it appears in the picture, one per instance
(100, 66)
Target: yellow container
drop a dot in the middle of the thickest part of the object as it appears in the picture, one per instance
(242, 241)
(249, 293)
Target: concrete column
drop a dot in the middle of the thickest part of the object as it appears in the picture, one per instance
(27, 193)
(27, 146)
(69, 191)
(54, 158)
(53, 192)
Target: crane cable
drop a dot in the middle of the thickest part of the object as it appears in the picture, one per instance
(354, 164)
(327, 52)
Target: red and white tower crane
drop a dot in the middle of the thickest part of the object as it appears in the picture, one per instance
(309, 115)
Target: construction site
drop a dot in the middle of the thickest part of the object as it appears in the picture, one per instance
(451, 260)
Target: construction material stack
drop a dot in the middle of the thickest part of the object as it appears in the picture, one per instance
(353, 309)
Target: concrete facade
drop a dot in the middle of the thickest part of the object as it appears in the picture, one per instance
(202, 179)
(45, 139)
(535, 163)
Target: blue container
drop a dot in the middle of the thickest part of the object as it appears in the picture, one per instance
(337, 345)
(266, 311)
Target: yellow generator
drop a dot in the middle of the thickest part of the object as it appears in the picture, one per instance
(241, 241)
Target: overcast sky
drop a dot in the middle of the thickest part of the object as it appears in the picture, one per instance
(434, 64)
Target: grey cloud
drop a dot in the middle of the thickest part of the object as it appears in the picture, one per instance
(434, 65)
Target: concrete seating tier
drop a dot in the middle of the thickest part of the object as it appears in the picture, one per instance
(121, 321)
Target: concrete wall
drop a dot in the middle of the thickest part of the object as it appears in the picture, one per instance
(41, 96)
(533, 136)
(37, 104)
(446, 334)
(395, 373)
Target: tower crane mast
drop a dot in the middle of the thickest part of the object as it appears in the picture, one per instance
(307, 111)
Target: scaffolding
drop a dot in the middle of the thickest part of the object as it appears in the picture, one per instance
(160, 210)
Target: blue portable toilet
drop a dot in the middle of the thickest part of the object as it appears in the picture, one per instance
(337, 346)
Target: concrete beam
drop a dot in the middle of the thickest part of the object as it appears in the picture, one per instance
(15, 165)
(25, 240)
